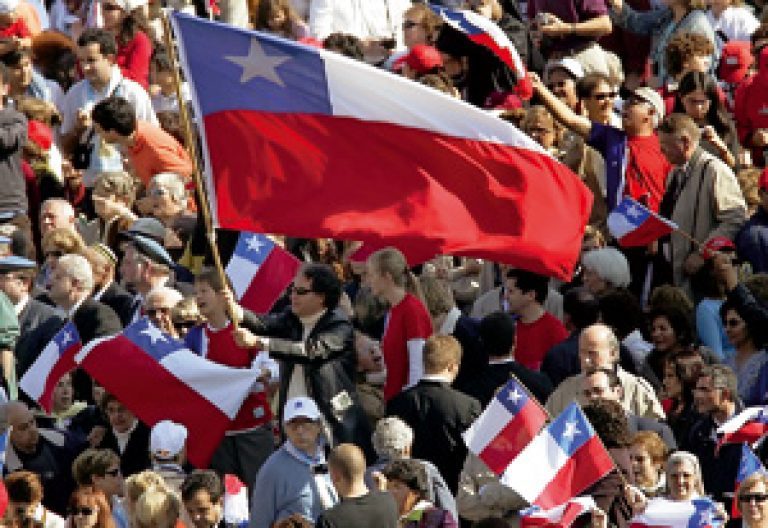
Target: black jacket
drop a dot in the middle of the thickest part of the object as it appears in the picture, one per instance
(135, 458)
(438, 415)
(122, 302)
(484, 384)
(38, 323)
(330, 365)
(718, 467)
(34, 314)
(13, 136)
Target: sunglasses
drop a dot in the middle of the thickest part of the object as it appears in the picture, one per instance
(85, 510)
(185, 324)
(604, 96)
(297, 290)
(410, 24)
(756, 497)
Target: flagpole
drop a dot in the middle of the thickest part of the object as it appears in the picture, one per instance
(186, 127)
(689, 238)
(530, 395)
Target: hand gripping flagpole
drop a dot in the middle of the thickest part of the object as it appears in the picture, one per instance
(191, 141)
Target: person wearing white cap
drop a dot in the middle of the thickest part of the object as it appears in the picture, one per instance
(294, 479)
(561, 76)
(167, 449)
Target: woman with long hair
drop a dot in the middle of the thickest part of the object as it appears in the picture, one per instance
(134, 48)
(408, 324)
(699, 98)
(278, 17)
(89, 508)
(749, 362)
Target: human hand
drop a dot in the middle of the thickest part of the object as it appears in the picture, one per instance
(599, 518)
(244, 338)
(616, 5)
(636, 499)
(556, 27)
(708, 133)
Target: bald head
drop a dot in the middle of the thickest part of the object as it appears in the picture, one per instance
(24, 435)
(17, 412)
(598, 348)
(347, 461)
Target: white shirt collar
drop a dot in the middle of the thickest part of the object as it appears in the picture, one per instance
(98, 294)
(449, 323)
(435, 377)
(19, 306)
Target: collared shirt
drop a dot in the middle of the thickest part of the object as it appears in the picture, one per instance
(449, 323)
(19, 306)
(122, 438)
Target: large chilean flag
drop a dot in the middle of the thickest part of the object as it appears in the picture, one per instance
(305, 142)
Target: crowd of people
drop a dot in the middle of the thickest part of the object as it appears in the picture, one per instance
(367, 373)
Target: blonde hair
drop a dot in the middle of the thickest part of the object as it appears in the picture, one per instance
(440, 352)
(138, 483)
(157, 508)
(392, 261)
(438, 296)
(63, 239)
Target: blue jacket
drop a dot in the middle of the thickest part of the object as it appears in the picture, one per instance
(752, 241)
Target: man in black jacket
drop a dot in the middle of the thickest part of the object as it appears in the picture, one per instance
(126, 435)
(437, 413)
(313, 341)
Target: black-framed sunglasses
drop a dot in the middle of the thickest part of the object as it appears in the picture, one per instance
(298, 290)
(85, 510)
(604, 96)
(185, 324)
(756, 497)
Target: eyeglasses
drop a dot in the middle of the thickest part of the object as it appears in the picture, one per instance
(756, 497)
(604, 96)
(731, 323)
(112, 472)
(298, 290)
(410, 24)
(85, 510)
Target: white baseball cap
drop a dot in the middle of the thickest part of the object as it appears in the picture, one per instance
(8, 6)
(167, 439)
(300, 406)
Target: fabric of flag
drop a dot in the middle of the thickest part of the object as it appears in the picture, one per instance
(564, 459)
(507, 424)
(748, 465)
(665, 513)
(56, 359)
(483, 31)
(748, 426)
(260, 271)
(559, 517)
(3, 492)
(305, 142)
(633, 224)
(236, 511)
(158, 378)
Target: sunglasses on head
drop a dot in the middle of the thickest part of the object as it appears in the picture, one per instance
(756, 497)
(84, 510)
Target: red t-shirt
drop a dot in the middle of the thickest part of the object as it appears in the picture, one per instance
(221, 349)
(407, 320)
(133, 59)
(536, 338)
(647, 170)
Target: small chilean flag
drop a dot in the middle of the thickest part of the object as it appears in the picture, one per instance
(56, 359)
(665, 513)
(235, 502)
(260, 271)
(749, 426)
(563, 460)
(560, 517)
(633, 224)
(748, 465)
(510, 421)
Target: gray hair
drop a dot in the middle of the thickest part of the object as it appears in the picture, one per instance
(392, 437)
(77, 268)
(173, 294)
(173, 183)
(610, 264)
(681, 457)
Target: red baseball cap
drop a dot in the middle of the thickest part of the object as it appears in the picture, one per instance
(423, 58)
(716, 244)
(735, 61)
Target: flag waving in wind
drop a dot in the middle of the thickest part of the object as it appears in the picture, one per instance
(665, 513)
(308, 143)
(633, 224)
(510, 421)
(563, 460)
(748, 426)
(559, 517)
(56, 359)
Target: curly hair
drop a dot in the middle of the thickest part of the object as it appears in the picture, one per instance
(682, 47)
(609, 421)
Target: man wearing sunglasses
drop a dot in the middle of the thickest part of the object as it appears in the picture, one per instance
(313, 341)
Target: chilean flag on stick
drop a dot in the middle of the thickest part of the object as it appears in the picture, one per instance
(56, 359)
(559, 517)
(176, 384)
(665, 513)
(506, 426)
(748, 426)
(748, 465)
(633, 224)
(563, 460)
(260, 270)
(305, 142)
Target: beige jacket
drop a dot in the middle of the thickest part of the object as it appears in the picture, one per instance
(710, 204)
(639, 398)
(481, 494)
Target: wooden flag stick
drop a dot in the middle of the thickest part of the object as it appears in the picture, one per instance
(189, 136)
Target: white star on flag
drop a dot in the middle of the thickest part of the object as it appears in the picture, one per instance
(258, 64)
(514, 396)
(153, 333)
(254, 244)
(571, 430)
(705, 518)
(633, 211)
(66, 337)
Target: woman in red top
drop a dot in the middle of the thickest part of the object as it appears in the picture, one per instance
(408, 323)
(134, 49)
